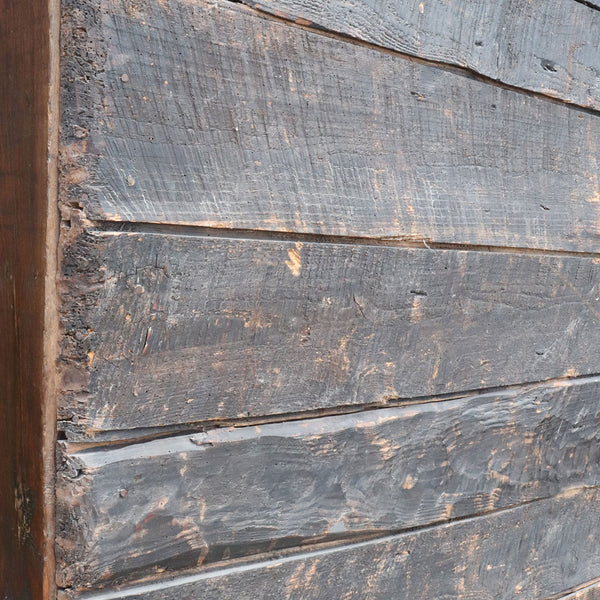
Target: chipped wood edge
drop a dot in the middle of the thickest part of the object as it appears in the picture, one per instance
(51, 308)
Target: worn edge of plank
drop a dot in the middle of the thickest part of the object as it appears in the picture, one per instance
(460, 69)
(28, 156)
(531, 412)
(587, 591)
(73, 441)
(139, 588)
(400, 241)
(51, 349)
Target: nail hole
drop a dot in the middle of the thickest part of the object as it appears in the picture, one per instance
(550, 66)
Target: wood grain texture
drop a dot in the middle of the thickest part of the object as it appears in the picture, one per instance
(165, 329)
(591, 592)
(206, 113)
(177, 503)
(26, 437)
(552, 47)
(529, 552)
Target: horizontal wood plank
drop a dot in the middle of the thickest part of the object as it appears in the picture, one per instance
(551, 47)
(527, 553)
(176, 503)
(204, 112)
(165, 329)
(591, 592)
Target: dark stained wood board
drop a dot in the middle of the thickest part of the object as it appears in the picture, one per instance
(530, 552)
(176, 503)
(207, 113)
(165, 329)
(27, 409)
(549, 47)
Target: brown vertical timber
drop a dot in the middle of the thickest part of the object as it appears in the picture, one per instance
(28, 229)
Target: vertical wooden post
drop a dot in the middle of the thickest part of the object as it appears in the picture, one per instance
(28, 231)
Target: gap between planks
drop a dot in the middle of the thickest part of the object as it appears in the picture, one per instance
(584, 2)
(122, 438)
(267, 559)
(575, 591)
(457, 70)
(399, 241)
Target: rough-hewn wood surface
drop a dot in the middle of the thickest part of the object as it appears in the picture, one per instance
(187, 113)
(167, 329)
(551, 47)
(530, 552)
(205, 112)
(180, 502)
(591, 592)
(27, 412)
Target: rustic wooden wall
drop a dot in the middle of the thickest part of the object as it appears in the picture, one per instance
(329, 300)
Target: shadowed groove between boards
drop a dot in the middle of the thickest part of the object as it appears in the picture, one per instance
(316, 550)
(399, 241)
(111, 439)
(574, 592)
(588, 4)
(464, 71)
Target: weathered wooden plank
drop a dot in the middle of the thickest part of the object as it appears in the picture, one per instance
(165, 329)
(591, 592)
(28, 108)
(551, 47)
(180, 502)
(529, 552)
(204, 112)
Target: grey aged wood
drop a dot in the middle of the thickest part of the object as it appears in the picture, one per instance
(591, 592)
(180, 502)
(527, 553)
(550, 47)
(207, 113)
(327, 313)
(165, 329)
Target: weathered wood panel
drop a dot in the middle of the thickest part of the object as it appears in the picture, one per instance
(550, 47)
(165, 329)
(529, 552)
(591, 592)
(204, 112)
(27, 243)
(180, 502)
